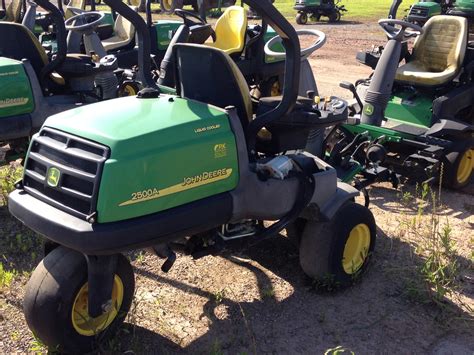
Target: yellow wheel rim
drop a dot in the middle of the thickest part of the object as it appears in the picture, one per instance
(356, 248)
(129, 90)
(88, 326)
(275, 91)
(465, 166)
(167, 4)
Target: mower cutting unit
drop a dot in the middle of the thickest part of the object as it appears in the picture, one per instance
(315, 9)
(414, 120)
(191, 171)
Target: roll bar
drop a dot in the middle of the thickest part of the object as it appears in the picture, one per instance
(392, 14)
(286, 31)
(143, 36)
(58, 20)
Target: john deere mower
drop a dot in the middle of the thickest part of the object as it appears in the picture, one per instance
(421, 11)
(191, 171)
(413, 120)
(35, 86)
(315, 9)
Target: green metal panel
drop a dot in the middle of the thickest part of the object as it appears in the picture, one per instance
(108, 19)
(434, 8)
(308, 2)
(464, 5)
(16, 97)
(410, 109)
(165, 30)
(165, 152)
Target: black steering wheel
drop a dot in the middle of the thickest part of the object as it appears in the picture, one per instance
(186, 15)
(397, 29)
(85, 22)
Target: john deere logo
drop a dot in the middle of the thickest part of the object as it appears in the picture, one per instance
(53, 177)
(368, 109)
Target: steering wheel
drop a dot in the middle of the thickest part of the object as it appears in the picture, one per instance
(305, 53)
(85, 22)
(401, 33)
(76, 11)
(186, 15)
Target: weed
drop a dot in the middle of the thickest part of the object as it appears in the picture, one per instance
(9, 175)
(219, 296)
(338, 350)
(268, 292)
(216, 348)
(6, 277)
(37, 346)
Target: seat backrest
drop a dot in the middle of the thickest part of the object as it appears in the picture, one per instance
(230, 30)
(13, 11)
(442, 44)
(209, 75)
(124, 28)
(19, 43)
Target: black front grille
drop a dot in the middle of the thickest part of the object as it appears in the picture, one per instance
(80, 163)
(419, 11)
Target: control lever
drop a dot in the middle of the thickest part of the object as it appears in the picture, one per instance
(349, 86)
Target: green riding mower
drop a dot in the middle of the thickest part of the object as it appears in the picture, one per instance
(421, 11)
(191, 172)
(413, 121)
(35, 86)
(315, 9)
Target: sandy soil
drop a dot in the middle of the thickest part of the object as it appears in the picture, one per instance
(257, 300)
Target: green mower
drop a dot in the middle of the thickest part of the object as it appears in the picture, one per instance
(413, 121)
(315, 9)
(422, 11)
(36, 86)
(191, 172)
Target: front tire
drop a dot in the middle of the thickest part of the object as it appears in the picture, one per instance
(336, 252)
(335, 17)
(301, 18)
(55, 304)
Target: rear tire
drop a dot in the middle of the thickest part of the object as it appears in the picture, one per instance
(168, 6)
(55, 295)
(458, 166)
(335, 17)
(301, 18)
(139, 4)
(335, 253)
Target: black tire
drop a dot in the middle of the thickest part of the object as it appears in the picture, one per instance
(294, 231)
(128, 88)
(139, 4)
(168, 6)
(335, 16)
(51, 294)
(301, 18)
(456, 174)
(323, 246)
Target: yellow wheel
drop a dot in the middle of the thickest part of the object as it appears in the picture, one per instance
(88, 326)
(465, 167)
(458, 166)
(335, 253)
(168, 6)
(356, 248)
(128, 88)
(56, 302)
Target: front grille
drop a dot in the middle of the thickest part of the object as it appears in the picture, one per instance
(80, 164)
(419, 11)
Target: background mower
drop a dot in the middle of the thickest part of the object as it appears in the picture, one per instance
(190, 171)
(314, 9)
(422, 11)
(415, 120)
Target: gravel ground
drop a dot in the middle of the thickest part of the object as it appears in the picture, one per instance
(256, 299)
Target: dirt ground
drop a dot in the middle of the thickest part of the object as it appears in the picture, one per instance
(257, 300)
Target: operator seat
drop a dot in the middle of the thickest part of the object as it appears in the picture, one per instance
(18, 42)
(209, 75)
(438, 53)
(124, 34)
(13, 12)
(230, 30)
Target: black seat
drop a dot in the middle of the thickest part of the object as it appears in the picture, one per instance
(17, 42)
(209, 75)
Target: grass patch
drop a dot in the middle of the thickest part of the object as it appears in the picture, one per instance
(8, 176)
(6, 277)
